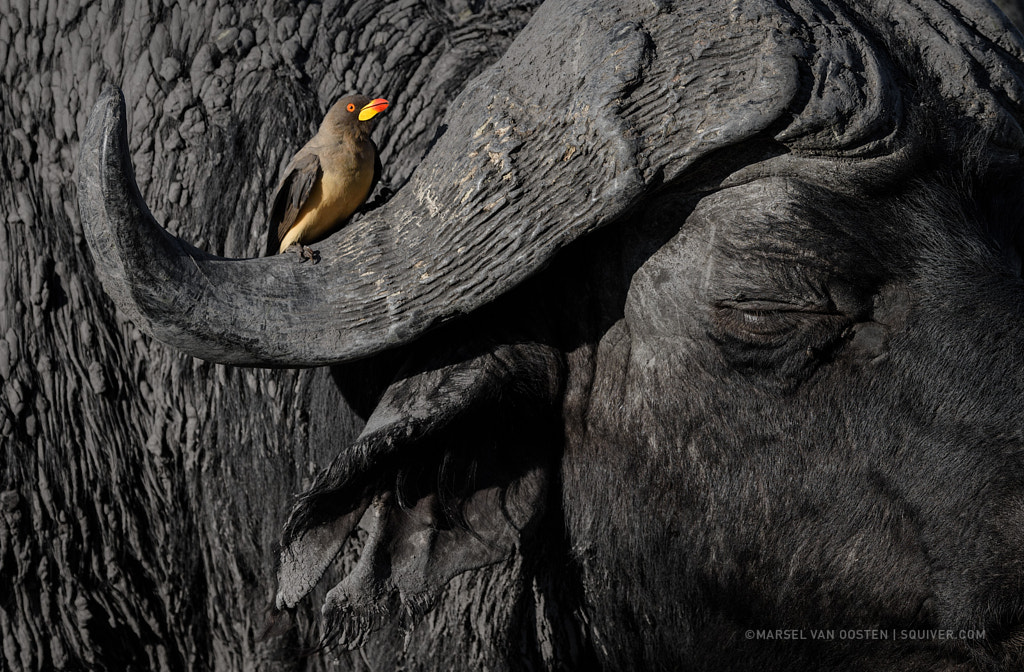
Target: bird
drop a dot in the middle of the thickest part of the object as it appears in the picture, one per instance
(328, 179)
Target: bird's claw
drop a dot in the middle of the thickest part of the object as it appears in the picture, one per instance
(308, 253)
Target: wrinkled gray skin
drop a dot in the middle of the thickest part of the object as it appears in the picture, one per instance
(143, 491)
(683, 453)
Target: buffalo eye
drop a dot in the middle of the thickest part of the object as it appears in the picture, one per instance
(763, 321)
(784, 340)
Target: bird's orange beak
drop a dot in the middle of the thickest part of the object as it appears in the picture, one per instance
(372, 109)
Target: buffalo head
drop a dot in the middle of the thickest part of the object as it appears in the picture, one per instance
(728, 297)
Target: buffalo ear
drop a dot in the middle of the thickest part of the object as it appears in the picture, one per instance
(450, 474)
(412, 550)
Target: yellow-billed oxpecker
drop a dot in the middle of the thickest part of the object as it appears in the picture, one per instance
(328, 179)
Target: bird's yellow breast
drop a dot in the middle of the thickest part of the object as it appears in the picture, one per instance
(333, 199)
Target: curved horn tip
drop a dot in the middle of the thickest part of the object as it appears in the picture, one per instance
(110, 91)
(108, 110)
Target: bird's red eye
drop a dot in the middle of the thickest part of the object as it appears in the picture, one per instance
(351, 107)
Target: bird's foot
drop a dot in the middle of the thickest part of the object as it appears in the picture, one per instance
(308, 254)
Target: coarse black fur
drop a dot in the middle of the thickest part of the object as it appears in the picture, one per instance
(856, 465)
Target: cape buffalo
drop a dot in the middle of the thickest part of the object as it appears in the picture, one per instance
(705, 322)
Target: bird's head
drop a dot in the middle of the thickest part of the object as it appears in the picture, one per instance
(353, 114)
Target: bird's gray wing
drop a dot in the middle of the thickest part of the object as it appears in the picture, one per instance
(299, 178)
